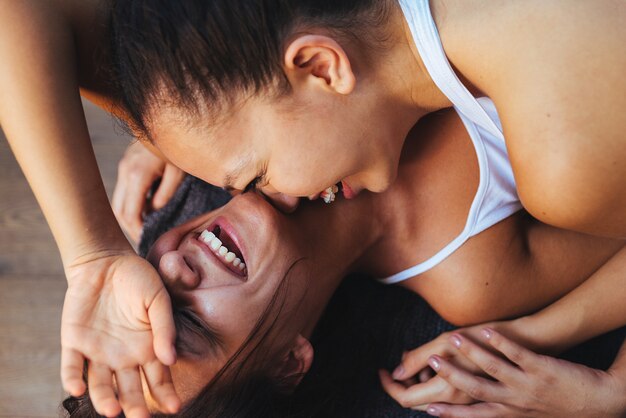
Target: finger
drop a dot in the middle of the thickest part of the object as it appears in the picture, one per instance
(163, 329)
(524, 358)
(476, 387)
(172, 177)
(414, 396)
(159, 380)
(101, 390)
(426, 374)
(415, 360)
(135, 204)
(494, 366)
(117, 201)
(72, 364)
(131, 393)
(478, 410)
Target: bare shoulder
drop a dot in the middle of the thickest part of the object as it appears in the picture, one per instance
(554, 69)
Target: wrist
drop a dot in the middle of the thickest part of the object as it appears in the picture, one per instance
(93, 233)
(97, 247)
(531, 332)
(95, 268)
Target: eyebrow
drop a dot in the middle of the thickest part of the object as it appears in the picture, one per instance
(232, 176)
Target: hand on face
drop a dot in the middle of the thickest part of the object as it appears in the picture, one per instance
(117, 316)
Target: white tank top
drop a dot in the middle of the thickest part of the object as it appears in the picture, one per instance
(496, 198)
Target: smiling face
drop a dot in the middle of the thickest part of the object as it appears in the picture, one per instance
(197, 264)
(298, 145)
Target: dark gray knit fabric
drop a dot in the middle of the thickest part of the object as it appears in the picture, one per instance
(366, 326)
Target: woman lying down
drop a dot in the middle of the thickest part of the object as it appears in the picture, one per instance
(249, 283)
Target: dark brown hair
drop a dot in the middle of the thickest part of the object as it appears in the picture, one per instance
(206, 53)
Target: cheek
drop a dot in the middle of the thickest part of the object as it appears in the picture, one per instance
(231, 312)
(235, 317)
(190, 377)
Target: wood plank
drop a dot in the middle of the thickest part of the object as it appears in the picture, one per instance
(30, 345)
(32, 284)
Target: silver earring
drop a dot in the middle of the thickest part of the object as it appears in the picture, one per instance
(329, 194)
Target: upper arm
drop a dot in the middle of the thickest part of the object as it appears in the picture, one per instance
(561, 105)
(509, 270)
(66, 38)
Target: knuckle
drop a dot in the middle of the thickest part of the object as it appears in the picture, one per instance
(135, 175)
(492, 368)
(516, 355)
(476, 391)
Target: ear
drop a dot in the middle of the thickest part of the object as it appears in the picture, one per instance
(319, 59)
(296, 363)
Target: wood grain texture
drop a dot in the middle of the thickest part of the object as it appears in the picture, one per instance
(32, 285)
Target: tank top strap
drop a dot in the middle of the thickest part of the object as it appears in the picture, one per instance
(430, 48)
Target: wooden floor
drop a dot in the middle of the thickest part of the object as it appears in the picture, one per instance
(32, 284)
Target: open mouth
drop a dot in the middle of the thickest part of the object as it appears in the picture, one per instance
(223, 244)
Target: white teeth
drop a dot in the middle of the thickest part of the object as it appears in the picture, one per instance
(215, 244)
(207, 236)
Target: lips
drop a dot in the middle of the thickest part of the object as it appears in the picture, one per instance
(348, 193)
(221, 239)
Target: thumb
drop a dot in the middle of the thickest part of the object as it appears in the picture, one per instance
(163, 329)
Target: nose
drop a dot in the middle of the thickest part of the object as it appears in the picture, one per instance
(283, 202)
(176, 273)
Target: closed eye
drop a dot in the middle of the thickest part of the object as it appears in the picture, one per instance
(194, 335)
(258, 182)
(252, 185)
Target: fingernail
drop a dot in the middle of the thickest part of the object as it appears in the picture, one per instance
(456, 341)
(431, 410)
(434, 363)
(487, 333)
(398, 373)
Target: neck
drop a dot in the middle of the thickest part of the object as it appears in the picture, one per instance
(337, 237)
(404, 71)
(342, 232)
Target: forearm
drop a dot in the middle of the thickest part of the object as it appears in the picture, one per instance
(595, 307)
(42, 116)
